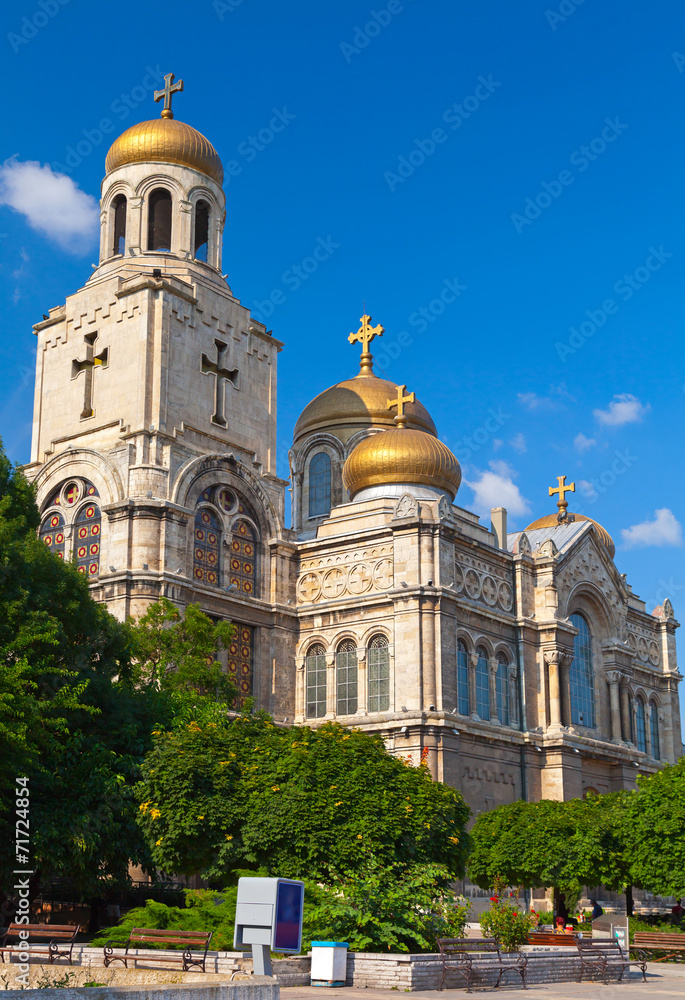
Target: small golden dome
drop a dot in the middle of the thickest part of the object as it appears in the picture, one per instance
(552, 521)
(165, 140)
(402, 455)
(357, 403)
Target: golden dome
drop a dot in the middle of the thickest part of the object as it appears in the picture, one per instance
(402, 455)
(165, 140)
(357, 403)
(552, 521)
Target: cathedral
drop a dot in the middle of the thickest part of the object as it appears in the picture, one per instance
(516, 664)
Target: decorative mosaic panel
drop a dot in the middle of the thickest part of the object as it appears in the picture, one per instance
(52, 533)
(243, 557)
(206, 548)
(87, 540)
(240, 659)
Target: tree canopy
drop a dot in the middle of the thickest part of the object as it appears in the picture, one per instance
(655, 830)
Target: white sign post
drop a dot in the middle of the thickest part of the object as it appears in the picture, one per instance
(268, 918)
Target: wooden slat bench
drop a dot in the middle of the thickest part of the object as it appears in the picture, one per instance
(646, 942)
(465, 955)
(549, 938)
(196, 940)
(605, 955)
(27, 933)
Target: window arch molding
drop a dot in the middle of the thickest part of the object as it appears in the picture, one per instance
(586, 599)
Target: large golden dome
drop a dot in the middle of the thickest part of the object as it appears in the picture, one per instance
(552, 521)
(165, 140)
(402, 455)
(357, 403)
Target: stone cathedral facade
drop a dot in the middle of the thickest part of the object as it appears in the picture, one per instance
(520, 664)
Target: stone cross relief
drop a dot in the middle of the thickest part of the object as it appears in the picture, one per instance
(87, 366)
(221, 374)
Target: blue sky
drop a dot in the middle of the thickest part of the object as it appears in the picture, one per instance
(500, 183)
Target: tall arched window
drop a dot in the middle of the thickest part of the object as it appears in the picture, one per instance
(346, 678)
(581, 676)
(201, 238)
(315, 669)
(119, 226)
(87, 539)
(159, 220)
(462, 677)
(244, 558)
(319, 485)
(503, 688)
(640, 725)
(378, 660)
(52, 533)
(482, 684)
(654, 731)
(207, 547)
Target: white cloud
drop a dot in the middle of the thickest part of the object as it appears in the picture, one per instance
(665, 529)
(588, 489)
(497, 444)
(532, 401)
(518, 443)
(51, 203)
(623, 409)
(582, 443)
(496, 488)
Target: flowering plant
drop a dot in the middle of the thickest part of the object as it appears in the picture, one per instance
(508, 925)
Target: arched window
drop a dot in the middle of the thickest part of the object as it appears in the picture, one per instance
(87, 540)
(581, 676)
(119, 227)
(482, 684)
(319, 485)
(346, 678)
(201, 239)
(159, 220)
(378, 659)
(462, 678)
(640, 725)
(502, 688)
(240, 653)
(207, 547)
(244, 558)
(654, 731)
(315, 668)
(52, 533)
(631, 718)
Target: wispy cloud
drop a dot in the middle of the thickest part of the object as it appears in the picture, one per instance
(553, 401)
(582, 443)
(587, 489)
(53, 204)
(496, 488)
(623, 409)
(665, 529)
(518, 443)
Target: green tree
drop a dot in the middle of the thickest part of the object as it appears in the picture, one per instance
(655, 830)
(220, 795)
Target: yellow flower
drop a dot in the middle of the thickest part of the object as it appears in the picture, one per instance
(158, 842)
(338, 803)
(229, 836)
(454, 840)
(275, 788)
(156, 732)
(143, 807)
(359, 836)
(155, 813)
(200, 817)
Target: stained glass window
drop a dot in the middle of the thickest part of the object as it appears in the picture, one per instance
(206, 549)
(581, 676)
(346, 670)
(379, 674)
(654, 731)
(462, 677)
(641, 725)
(87, 539)
(482, 684)
(315, 668)
(243, 557)
(319, 485)
(240, 658)
(503, 689)
(52, 533)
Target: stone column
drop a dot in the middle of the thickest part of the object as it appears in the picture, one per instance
(552, 659)
(362, 683)
(625, 713)
(473, 663)
(300, 707)
(614, 678)
(492, 684)
(648, 728)
(331, 698)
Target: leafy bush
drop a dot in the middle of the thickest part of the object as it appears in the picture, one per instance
(508, 925)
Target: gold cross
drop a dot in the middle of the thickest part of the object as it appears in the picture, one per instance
(400, 419)
(562, 489)
(364, 335)
(169, 88)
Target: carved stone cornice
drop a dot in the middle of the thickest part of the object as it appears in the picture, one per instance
(558, 656)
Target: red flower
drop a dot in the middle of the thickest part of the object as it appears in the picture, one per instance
(494, 899)
(515, 913)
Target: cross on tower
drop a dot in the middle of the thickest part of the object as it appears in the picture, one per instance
(562, 489)
(222, 375)
(170, 88)
(401, 419)
(364, 335)
(91, 361)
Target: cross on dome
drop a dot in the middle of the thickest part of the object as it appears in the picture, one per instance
(364, 335)
(562, 489)
(170, 88)
(401, 419)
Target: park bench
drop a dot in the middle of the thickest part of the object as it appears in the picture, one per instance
(27, 933)
(605, 955)
(190, 940)
(646, 942)
(471, 957)
(549, 938)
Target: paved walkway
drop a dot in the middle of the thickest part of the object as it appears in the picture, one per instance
(662, 983)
